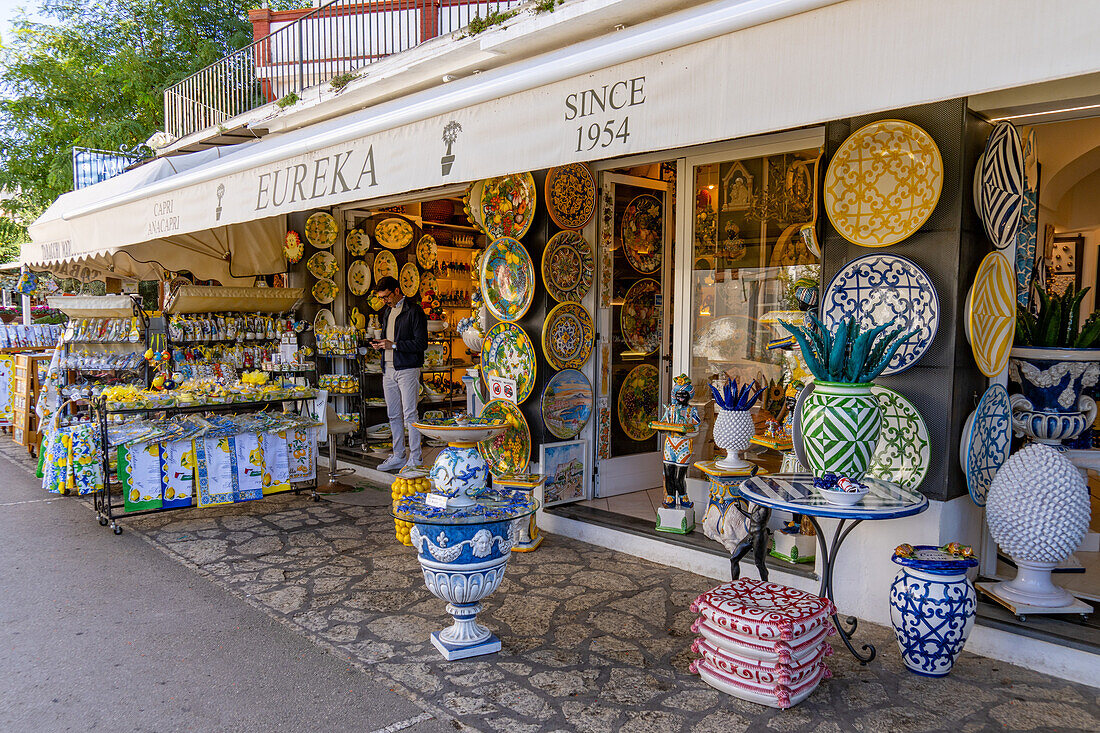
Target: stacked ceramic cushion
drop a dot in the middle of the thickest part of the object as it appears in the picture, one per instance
(761, 641)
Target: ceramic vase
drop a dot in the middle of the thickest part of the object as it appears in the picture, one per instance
(1052, 408)
(459, 471)
(733, 429)
(840, 425)
(462, 565)
(932, 605)
(472, 338)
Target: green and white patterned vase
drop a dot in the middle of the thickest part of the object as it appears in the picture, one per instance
(840, 425)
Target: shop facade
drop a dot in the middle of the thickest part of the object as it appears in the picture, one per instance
(735, 162)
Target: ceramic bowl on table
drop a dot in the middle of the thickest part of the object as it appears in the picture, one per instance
(843, 498)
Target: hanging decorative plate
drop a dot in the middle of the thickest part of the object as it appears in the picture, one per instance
(640, 316)
(321, 230)
(568, 335)
(508, 205)
(1002, 185)
(570, 195)
(643, 233)
(883, 183)
(879, 288)
(357, 243)
(507, 351)
(638, 401)
(376, 304)
(394, 233)
(567, 404)
(471, 204)
(903, 452)
(427, 253)
(507, 278)
(322, 265)
(292, 247)
(567, 267)
(509, 452)
(428, 283)
(325, 291)
(410, 279)
(324, 320)
(991, 314)
(385, 265)
(359, 278)
(986, 441)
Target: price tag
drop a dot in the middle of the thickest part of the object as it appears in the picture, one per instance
(502, 388)
(439, 501)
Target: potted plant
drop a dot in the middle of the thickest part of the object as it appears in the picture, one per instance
(1053, 359)
(840, 420)
(733, 426)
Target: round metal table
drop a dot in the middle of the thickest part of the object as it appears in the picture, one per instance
(794, 492)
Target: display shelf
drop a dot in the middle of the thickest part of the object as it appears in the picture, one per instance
(455, 227)
(243, 341)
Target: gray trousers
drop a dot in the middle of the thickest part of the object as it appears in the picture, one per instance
(401, 387)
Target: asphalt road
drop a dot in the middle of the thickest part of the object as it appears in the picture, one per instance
(99, 632)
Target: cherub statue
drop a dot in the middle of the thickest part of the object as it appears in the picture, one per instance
(678, 447)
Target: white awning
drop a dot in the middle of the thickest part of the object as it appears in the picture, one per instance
(717, 71)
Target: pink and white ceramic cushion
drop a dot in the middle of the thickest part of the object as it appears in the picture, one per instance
(788, 675)
(771, 651)
(763, 609)
(776, 696)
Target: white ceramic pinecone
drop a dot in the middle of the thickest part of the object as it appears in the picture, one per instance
(1038, 505)
(733, 429)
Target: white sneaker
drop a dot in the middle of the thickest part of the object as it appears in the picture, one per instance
(391, 463)
(414, 463)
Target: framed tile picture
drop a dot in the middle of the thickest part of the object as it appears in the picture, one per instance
(565, 466)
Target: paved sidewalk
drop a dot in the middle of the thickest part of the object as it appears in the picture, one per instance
(106, 633)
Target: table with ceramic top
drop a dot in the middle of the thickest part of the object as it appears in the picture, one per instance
(794, 492)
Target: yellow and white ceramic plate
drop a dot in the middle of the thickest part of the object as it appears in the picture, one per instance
(991, 313)
(428, 283)
(410, 279)
(324, 320)
(357, 242)
(385, 265)
(322, 265)
(359, 278)
(427, 252)
(394, 233)
(321, 230)
(325, 291)
(883, 183)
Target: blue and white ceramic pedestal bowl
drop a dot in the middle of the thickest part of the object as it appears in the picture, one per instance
(1052, 408)
(932, 605)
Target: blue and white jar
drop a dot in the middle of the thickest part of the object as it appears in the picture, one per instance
(459, 471)
(932, 605)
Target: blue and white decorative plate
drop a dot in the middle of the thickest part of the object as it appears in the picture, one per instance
(1002, 185)
(904, 450)
(986, 441)
(878, 288)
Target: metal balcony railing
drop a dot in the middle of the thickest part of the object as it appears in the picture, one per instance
(335, 39)
(90, 166)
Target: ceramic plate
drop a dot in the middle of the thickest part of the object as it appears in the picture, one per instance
(321, 230)
(357, 243)
(508, 205)
(375, 303)
(903, 453)
(640, 317)
(471, 204)
(428, 283)
(643, 233)
(509, 452)
(359, 278)
(394, 233)
(570, 195)
(986, 441)
(507, 351)
(427, 253)
(292, 247)
(638, 401)
(385, 265)
(796, 426)
(567, 404)
(1002, 185)
(325, 291)
(882, 287)
(568, 335)
(883, 183)
(322, 265)
(991, 314)
(507, 279)
(323, 320)
(567, 267)
(410, 279)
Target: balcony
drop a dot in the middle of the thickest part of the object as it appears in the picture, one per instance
(305, 48)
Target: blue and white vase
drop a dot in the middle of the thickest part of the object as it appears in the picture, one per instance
(932, 605)
(1052, 406)
(458, 472)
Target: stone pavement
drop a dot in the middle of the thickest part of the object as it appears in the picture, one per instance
(594, 640)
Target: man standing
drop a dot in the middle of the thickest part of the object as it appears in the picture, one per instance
(406, 339)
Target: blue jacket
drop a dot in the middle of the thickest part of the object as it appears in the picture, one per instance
(410, 335)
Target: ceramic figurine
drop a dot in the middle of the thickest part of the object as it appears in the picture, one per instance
(678, 448)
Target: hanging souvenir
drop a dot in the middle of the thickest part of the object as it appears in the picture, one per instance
(292, 247)
(640, 317)
(567, 403)
(508, 205)
(567, 267)
(394, 233)
(507, 351)
(409, 279)
(638, 401)
(357, 243)
(570, 195)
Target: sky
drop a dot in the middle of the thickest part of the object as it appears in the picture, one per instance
(8, 11)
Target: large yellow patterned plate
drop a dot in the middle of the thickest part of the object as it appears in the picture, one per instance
(322, 264)
(427, 252)
(321, 230)
(638, 402)
(509, 452)
(385, 265)
(883, 183)
(410, 279)
(508, 205)
(357, 242)
(359, 278)
(394, 233)
(325, 291)
(991, 313)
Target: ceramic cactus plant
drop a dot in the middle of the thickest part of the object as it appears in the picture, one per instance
(847, 355)
(1058, 323)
